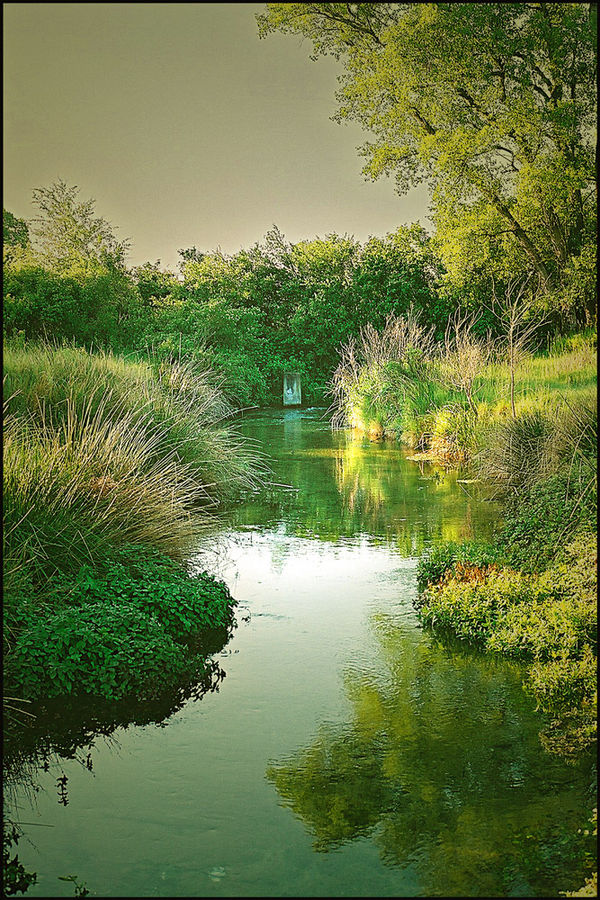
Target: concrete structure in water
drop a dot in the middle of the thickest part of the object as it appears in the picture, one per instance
(292, 389)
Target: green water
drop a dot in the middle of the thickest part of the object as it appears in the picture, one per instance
(345, 752)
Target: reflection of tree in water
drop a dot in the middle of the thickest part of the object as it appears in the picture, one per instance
(346, 486)
(442, 764)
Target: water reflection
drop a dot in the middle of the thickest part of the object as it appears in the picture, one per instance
(68, 728)
(440, 763)
(344, 486)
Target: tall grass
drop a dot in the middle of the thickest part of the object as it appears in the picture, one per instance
(378, 373)
(180, 410)
(396, 382)
(100, 452)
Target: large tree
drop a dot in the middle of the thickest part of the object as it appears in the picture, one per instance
(493, 104)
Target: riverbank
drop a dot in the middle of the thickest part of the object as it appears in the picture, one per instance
(112, 469)
(450, 404)
(532, 593)
(528, 426)
(535, 603)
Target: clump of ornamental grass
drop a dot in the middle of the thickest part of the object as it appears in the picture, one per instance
(180, 407)
(540, 442)
(74, 490)
(378, 372)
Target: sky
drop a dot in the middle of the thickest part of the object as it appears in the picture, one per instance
(185, 127)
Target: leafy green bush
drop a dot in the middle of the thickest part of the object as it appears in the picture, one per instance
(434, 563)
(100, 310)
(474, 603)
(158, 586)
(100, 648)
(537, 615)
(548, 617)
(128, 626)
(547, 626)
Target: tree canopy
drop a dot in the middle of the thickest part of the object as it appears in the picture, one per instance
(15, 232)
(493, 104)
(69, 238)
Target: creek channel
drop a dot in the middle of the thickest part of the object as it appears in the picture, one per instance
(346, 752)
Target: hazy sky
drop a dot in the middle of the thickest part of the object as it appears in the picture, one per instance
(184, 126)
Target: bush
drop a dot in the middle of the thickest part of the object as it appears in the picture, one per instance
(549, 618)
(156, 585)
(473, 602)
(100, 310)
(434, 563)
(130, 625)
(101, 648)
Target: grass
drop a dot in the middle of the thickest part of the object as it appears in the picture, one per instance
(100, 454)
(179, 407)
(393, 383)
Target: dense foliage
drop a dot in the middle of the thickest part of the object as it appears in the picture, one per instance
(126, 629)
(494, 105)
(250, 316)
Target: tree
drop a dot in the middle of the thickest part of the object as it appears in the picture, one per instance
(515, 312)
(154, 284)
(69, 238)
(15, 232)
(493, 104)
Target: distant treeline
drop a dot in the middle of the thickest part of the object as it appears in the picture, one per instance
(248, 315)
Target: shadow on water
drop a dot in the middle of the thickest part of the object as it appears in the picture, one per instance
(68, 727)
(440, 765)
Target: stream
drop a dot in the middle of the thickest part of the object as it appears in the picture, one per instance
(343, 751)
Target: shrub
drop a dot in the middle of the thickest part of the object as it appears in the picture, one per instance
(156, 585)
(100, 648)
(434, 563)
(474, 603)
(94, 633)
